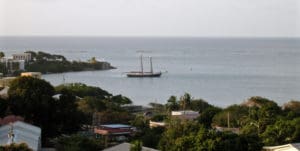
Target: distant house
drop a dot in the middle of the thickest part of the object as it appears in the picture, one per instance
(22, 56)
(31, 74)
(21, 132)
(287, 147)
(185, 114)
(116, 132)
(126, 147)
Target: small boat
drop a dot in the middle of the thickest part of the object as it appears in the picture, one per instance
(141, 74)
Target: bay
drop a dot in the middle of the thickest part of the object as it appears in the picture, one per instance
(223, 71)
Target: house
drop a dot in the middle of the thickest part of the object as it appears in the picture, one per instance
(117, 132)
(185, 114)
(22, 56)
(287, 147)
(126, 147)
(21, 132)
(31, 74)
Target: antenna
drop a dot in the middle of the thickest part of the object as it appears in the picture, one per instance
(11, 134)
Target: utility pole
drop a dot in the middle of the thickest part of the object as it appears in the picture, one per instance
(228, 120)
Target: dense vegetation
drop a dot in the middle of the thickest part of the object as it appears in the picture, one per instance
(15, 147)
(47, 63)
(65, 110)
(66, 114)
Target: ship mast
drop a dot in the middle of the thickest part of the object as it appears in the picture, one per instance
(151, 68)
(142, 70)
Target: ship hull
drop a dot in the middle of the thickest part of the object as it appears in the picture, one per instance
(143, 74)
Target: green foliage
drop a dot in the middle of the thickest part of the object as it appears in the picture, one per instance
(278, 133)
(68, 117)
(15, 147)
(151, 137)
(159, 117)
(112, 116)
(121, 100)
(207, 115)
(191, 136)
(32, 99)
(136, 146)
(172, 104)
(47, 63)
(235, 112)
(185, 101)
(77, 143)
(89, 105)
(199, 105)
(3, 107)
(2, 54)
(82, 90)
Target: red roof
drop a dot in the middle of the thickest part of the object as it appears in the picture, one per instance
(10, 119)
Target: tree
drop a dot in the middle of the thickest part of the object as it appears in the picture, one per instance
(15, 147)
(207, 115)
(90, 105)
(172, 104)
(32, 99)
(235, 112)
(68, 118)
(2, 54)
(279, 133)
(199, 105)
(82, 90)
(136, 146)
(77, 143)
(185, 101)
(3, 107)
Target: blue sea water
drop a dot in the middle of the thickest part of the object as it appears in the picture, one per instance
(223, 71)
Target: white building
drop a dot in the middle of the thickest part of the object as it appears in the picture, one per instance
(20, 132)
(287, 147)
(186, 114)
(22, 56)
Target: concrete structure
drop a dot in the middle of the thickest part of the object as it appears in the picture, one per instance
(22, 56)
(156, 124)
(126, 147)
(186, 114)
(20, 132)
(287, 147)
(4, 92)
(31, 74)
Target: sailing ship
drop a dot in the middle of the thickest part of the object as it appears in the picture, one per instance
(141, 74)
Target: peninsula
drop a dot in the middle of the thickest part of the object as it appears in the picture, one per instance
(47, 63)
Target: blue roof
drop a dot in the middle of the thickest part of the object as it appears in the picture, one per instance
(116, 126)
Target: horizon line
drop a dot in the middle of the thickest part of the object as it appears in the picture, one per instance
(158, 36)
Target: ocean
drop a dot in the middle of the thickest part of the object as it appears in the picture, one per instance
(222, 71)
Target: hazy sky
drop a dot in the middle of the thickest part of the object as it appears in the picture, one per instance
(264, 18)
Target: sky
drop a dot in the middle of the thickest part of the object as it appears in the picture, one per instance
(195, 18)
